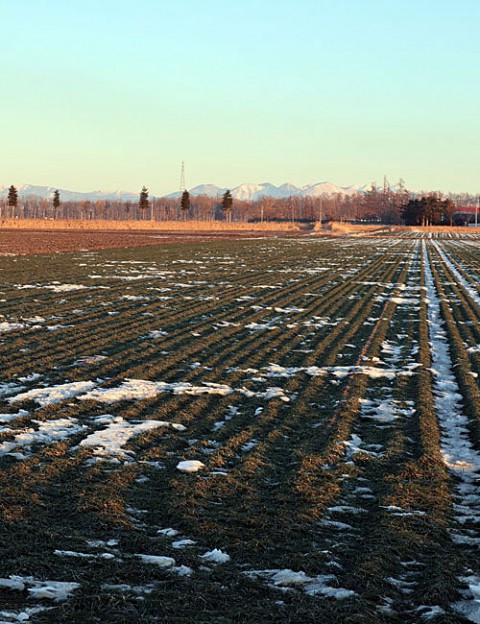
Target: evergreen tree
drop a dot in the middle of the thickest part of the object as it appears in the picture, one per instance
(12, 198)
(227, 202)
(143, 202)
(56, 201)
(185, 203)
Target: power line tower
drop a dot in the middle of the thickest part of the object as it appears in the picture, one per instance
(182, 178)
(402, 191)
(385, 199)
(386, 185)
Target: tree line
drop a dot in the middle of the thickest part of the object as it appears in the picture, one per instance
(201, 208)
(374, 206)
(429, 210)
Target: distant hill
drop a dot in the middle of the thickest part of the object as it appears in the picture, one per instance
(46, 192)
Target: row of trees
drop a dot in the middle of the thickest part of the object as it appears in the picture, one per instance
(12, 200)
(153, 209)
(429, 210)
(376, 205)
(185, 203)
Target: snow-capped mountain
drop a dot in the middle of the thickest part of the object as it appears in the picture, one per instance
(253, 192)
(327, 188)
(210, 190)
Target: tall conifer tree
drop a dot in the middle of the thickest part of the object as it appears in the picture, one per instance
(12, 198)
(227, 202)
(56, 201)
(143, 201)
(185, 203)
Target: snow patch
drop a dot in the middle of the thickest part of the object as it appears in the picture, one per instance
(162, 562)
(54, 394)
(313, 586)
(48, 432)
(50, 590)
(215, 556)
(109, 442)
(190, 465)
(140, 389)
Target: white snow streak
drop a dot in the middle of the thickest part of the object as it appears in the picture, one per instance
(457, 450)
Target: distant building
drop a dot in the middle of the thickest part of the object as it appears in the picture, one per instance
(465, 217)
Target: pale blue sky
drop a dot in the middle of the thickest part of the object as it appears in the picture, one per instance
(113, 94)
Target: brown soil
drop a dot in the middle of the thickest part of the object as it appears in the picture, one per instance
(59, 241)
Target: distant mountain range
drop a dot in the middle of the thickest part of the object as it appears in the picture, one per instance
(252, 192)
(245, 192)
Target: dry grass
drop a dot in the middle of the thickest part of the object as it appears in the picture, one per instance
(434, 229)
(338, 229)
(182, 226)
(335, 228)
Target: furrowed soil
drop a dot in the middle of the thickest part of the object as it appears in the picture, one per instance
(278, 430)
(24, 241)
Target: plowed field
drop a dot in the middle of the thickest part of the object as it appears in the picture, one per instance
(276, 430)
(20, 241)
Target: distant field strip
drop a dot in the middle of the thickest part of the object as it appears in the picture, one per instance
(271, 430)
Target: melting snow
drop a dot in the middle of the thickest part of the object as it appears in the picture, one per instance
(48, 432)
(157, 333)
(384, 411)
(289, 310)
(258, 326)
(80, 555)
(161, 562)
(215, 556)
(313, 586)
(5, 418)
(139, 389)
(110, 441)
(6, 326)
(403, 300)
(457, 450)
(168, 532)
(355, 445)
(275, 370)
(87, 360)
(190, 465)
(54, 394)
(51, 590)
(20, 616)
(183, 543)
(134, 297)
(9, 388)
(470, 607)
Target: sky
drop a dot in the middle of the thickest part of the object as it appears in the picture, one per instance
(115, 94)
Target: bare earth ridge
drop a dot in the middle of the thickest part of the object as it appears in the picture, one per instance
(25, 242)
